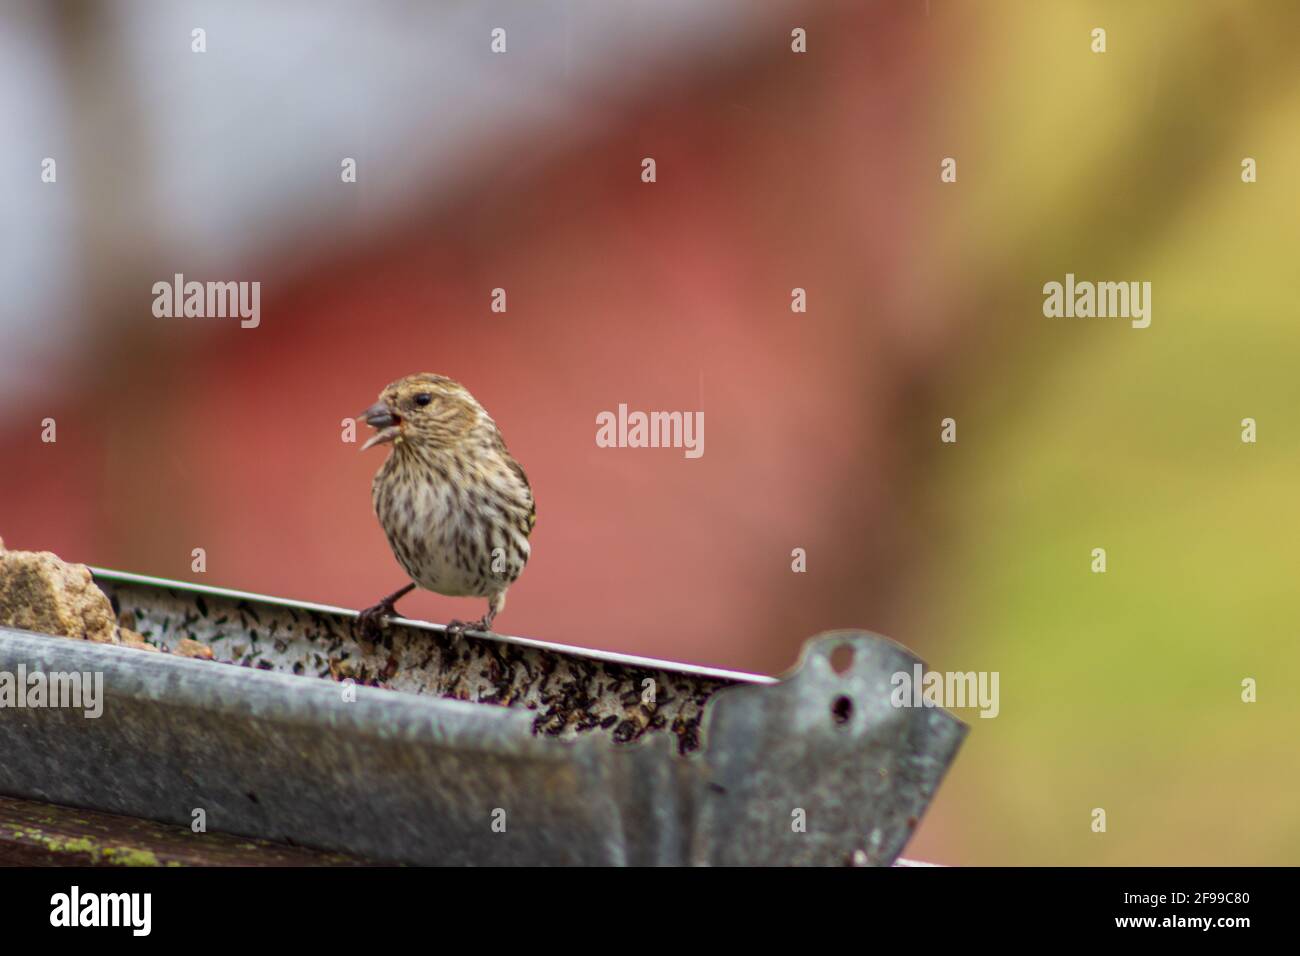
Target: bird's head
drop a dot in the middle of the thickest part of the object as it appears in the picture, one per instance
(423, 411)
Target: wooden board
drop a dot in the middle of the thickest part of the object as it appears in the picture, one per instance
(42, 834)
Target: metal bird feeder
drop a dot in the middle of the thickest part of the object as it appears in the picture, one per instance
(492, 750)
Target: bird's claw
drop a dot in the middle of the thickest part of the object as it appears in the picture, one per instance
(371, 623)
(456, 629)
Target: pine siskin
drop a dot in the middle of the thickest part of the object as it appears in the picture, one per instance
(456, 507)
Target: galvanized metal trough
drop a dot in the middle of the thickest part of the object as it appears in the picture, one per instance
(489, 750)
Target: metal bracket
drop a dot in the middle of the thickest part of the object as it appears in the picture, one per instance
(484, 751)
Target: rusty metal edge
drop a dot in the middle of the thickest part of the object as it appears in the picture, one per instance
(648, 826)
(612, 657)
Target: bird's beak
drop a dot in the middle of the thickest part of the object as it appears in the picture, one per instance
(379, 416)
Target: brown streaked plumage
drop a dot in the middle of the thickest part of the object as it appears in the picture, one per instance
(456, 507)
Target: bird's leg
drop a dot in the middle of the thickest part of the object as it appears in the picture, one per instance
(371, 622)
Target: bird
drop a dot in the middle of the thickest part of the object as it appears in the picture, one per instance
(456, 507)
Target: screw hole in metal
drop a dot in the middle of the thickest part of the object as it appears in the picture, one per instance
(842, 659)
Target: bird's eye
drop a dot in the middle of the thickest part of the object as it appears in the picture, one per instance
(424, 398)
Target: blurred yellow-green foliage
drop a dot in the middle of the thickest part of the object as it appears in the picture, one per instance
(1120, 690)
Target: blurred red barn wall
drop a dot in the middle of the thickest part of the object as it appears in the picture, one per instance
(673, 296)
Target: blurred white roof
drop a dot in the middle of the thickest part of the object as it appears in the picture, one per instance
(210, 160)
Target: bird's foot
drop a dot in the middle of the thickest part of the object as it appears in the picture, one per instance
(456, 629)
(370, 623)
